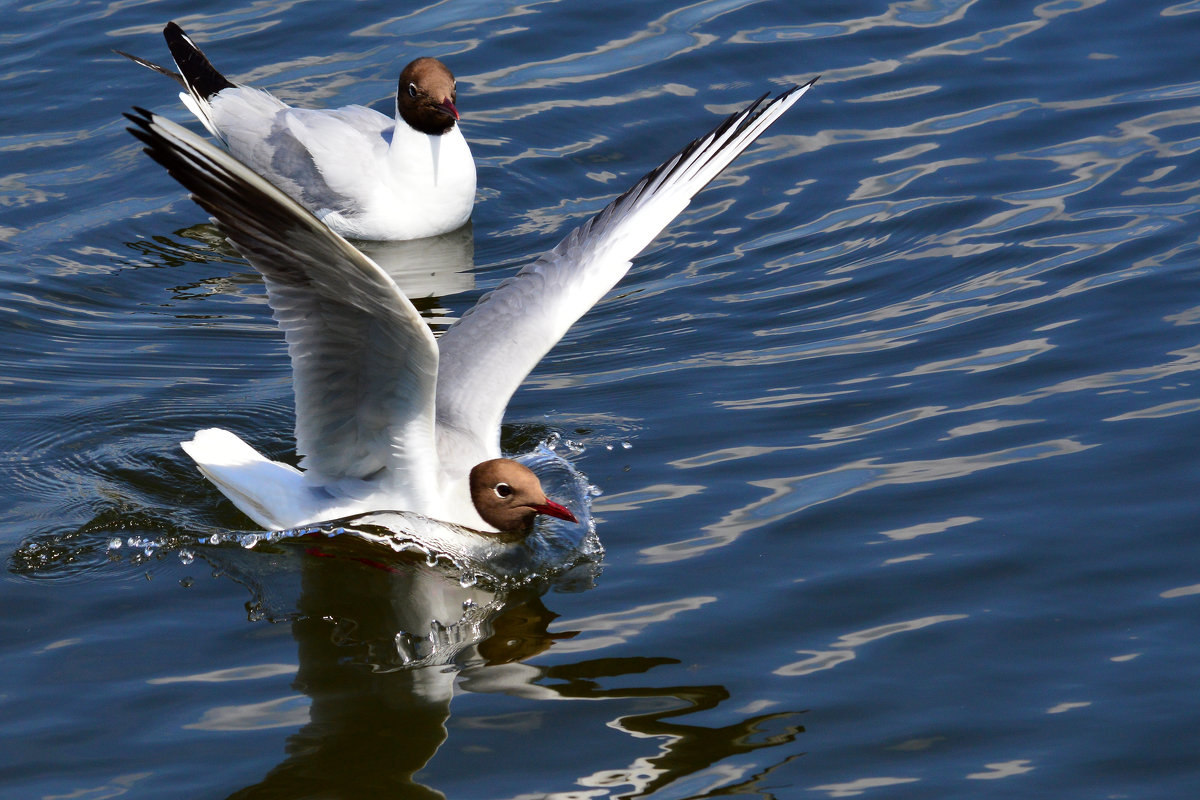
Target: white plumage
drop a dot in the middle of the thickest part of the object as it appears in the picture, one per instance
(387, 417)
(364, 174)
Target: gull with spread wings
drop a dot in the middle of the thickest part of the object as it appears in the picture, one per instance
(387, 416)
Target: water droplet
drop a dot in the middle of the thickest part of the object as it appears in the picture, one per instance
(627, 445)
(187, 557)
(114, 543)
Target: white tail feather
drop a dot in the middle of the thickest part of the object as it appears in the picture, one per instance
(203, 112)
(262, 489)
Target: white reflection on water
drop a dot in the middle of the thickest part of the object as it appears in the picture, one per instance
(792, 495)
(986, 359)
(860, 786)
(668, 36)
(986, 426)
(1003, 769)
(891, 182)
(642, 775)
(847, 645)
(1182, 591)
(284, 712)
(250, 673)
(1184, 361)
(1159, 411)
(519, 111)
(619, 627)
(637, 498)
(116, 786)
(924, 529)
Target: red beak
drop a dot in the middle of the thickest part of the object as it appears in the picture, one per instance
(553, 509)
(449, 108)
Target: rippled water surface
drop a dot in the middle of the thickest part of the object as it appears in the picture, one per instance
(894, 427)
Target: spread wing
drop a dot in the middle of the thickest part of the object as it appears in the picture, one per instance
(488, 353)
(364, 363)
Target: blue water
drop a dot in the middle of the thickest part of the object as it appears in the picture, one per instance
(895, 427)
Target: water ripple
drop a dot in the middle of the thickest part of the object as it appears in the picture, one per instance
(792, 495)
(971, 251)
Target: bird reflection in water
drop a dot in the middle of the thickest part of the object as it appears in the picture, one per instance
(426, 270)
(384, 641)
(380, 638)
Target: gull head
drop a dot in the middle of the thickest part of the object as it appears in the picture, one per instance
(425, 97)
(509, 496)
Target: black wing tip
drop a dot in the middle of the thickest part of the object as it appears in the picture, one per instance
(208, 185)
(738, 120)
(180, 163)
(139, 117)
(152, 141)
(795, 87)
(175, 76)
(200, 76)
(762, 104)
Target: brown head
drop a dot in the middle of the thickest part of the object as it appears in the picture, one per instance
(426, 96)
(508, 496)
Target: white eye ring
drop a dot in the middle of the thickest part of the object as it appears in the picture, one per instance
(502, 490)
(412, 90)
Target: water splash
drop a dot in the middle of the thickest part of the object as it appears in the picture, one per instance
(554, 546)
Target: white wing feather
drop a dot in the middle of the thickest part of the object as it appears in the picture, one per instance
(364, 362)
(367, 371)
(490, 351)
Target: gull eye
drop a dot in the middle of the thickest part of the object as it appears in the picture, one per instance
(502, 490)
(412, 90)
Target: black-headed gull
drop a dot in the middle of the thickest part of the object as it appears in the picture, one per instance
(364, 174)
(387, 416)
